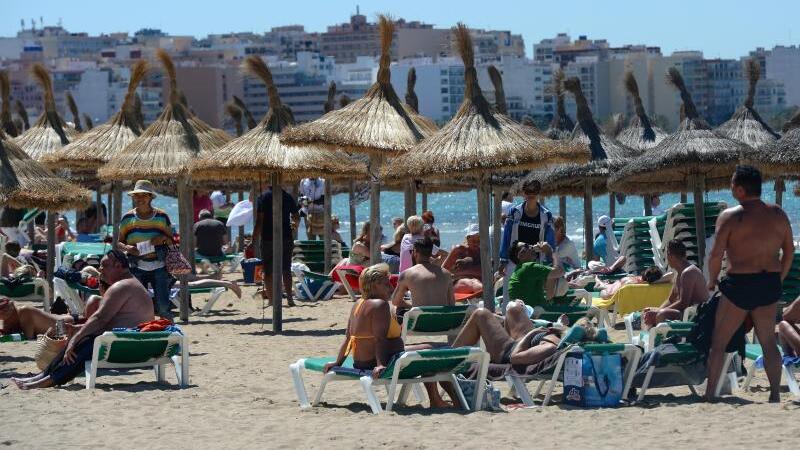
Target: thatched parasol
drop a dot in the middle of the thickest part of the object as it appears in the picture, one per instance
(137, 111)
(6, 123)
(411, 97)
(587, 179)
(692, 155)
(782, 157)
(164, 151)
(377, 124)
(251, 121)
(50, 132)
(479, 140)
(19, 108)
(561, 126)
(235, 113)
(76, 116)
(87, 121)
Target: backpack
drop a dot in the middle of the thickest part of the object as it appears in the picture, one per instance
(703, 329)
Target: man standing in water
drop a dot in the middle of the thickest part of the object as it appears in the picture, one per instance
(752, 235)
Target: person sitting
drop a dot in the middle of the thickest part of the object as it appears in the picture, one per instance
(533, 282)
(11, 260)
(397, 222)
(513, 340)
(125, 304)
(789, 331)
(429, 284)
(335, 236)
(209, 235)
(393, 248)
(605, 248)
(464, 260)
(689, 288)
(651, 275)
(414, 225)
(373, 335)
(429, 229)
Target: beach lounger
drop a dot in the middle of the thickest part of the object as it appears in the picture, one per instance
(216, 293)
(135, 350)
(754, 352)
(576, 303)
(70, 296)
(36, 289)
(349, 279)
(411, 367)
(315, 286)
(435, 320)
(232, 260)
(633, 297)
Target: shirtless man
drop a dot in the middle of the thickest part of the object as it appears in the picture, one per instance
(752, 234)
(125, 304)
(689, 288)
(464, 260)
(430, 285)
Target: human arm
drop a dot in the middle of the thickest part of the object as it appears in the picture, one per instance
(112, 302)
(380, 315)
(787, 255)
(451, 295)
(718, 250)
(399, 295)
(558, 269)
(405, 253)
(452, 257)
(535, 354)
(792, 313)
(505, 241)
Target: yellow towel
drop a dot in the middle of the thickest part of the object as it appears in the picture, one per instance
(635, 297)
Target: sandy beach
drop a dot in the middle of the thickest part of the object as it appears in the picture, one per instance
(241, 396)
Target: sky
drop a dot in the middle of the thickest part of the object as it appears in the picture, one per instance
(720, 28)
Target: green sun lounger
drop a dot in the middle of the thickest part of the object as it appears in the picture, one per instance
(410, 368)
(136, 350)
(435, 320)
(754, 352)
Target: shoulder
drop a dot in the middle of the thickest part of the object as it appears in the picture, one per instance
(376, 304)
(775, 209)
(730, 212)
(160, 213)
(130, 215)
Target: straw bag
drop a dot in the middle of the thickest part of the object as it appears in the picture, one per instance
(176, 263)
(47, 348)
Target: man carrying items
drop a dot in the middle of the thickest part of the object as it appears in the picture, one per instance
(314, 190)
(752, 235)
(263, 227)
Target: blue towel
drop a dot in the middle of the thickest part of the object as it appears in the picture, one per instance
(787, 361)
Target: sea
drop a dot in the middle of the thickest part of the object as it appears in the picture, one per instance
(454, 212)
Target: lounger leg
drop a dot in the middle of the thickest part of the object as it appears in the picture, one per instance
(630, 370)
(646, 383)
(791, 381)
(539, 386)
(160, 375)
(91, 374)
(725, 366)
(483, 370)
(296, 371)
(751, 371)
(554, 379)
(459, 392)
(522, 390)
(419, 392)
(325, 379)
(390, 391)
(215, 295)
(366, 384)
(184, 369)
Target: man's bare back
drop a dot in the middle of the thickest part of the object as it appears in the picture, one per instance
(752, 235)
(125, 304)
(430, 285)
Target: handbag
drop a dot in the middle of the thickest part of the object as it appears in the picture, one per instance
(47, 348)
(176, 263)
(491, 395)
(592, 380)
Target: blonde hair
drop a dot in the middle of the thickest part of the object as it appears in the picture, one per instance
(370, 276)
(399, 233)
(558, 222)
(588, 327)
(414, 224)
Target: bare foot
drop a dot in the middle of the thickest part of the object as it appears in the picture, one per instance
(440, 403)
(236, 289)
(18, 382)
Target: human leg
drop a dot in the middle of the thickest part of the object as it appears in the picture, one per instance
(517, 322)
(484, 324)
(287, 286)
(790, 338)
(161, 287)
(727, 320)
(34, 321)
(764, 324)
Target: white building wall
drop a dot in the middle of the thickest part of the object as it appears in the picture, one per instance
(783, 64)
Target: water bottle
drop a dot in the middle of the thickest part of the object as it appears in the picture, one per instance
(16, 337)
(60, 329)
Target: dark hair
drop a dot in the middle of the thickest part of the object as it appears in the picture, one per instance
(13, 249)
(424, 246)
(427, 217)
(531, 186)
(121, 258)
(506, 195)
(652, 274)
(676, 248)
(748, 178)
(11, 217)
(513, 252)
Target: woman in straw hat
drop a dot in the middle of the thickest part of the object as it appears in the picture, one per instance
(141, 231)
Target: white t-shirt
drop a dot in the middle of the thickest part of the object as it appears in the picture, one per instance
(505, 207)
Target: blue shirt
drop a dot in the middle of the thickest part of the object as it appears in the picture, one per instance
(600, 247)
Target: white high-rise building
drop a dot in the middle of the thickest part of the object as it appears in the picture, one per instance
(783, 64)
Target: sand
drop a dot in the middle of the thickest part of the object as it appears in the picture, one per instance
(241, 396)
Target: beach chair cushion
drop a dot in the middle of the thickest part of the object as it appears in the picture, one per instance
(20, 290)
(635, 297)
(137, 347)
(431, 362)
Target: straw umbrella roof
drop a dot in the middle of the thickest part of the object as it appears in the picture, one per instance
(260, 151)
(640, 134)
(6, 123)
(561, 126)
(235, 114)
(478, 139)
(27, 184)
(50, 132)
(167, 147)
(411, 97)
(76, 116)
(746, 125)
(96, 147)
(251, 121)
(693, 150)
(87, 121)
(19, 108)
(782, 157)
(377, 123)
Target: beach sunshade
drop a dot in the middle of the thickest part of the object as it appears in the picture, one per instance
(746, 125)
(28, 184)
(92, 149)
(251, 121)
(561, 126)
(260, 151)
(87, 121)
(50, 132)
(377, 123)
(411, 96)
(499, 91)
(73, 108)
(137, 110)
(167, 147)
(235, 113)
(23, 116)
(640, 134)
(781, 157)
(6, 123)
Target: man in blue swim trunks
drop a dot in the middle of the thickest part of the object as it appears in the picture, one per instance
(757, 238)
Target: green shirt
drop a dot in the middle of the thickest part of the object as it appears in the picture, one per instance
(527, 283)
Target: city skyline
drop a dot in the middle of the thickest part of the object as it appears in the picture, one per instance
(714, 27)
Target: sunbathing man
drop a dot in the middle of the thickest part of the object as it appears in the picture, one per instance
(373, 336)
(125, 304)
(430, 285)
(688, 290)
(533, 282)
(789, 331)
(464, 260)
(752, 235)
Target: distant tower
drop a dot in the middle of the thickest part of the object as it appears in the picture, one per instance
(358, 12)
(22, 24)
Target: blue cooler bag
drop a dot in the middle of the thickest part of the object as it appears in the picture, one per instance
(592, 380)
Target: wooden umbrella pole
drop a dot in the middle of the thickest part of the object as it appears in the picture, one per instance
(228, 197)
(700, 218)
(190, 228)
(407, 208)
(497, 211)
(99, 201)
(612, 205)
(241, 228)
(483, 226)
(110, 204)
(562, 207)
(648, 204)
(328, 226)
(375, 210)
(413, 189)
(51, 254)
(779, 188)
(184, 219)
(424, 198)
(351, 200)
(116, 189)
(277, 254)
(684, 198)
(256, 239)
(587, 221)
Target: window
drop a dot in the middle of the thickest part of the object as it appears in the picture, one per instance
(444, 90)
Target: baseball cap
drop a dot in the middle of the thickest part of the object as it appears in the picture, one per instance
(604, 221)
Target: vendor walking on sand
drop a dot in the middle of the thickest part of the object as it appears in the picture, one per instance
(757, 238)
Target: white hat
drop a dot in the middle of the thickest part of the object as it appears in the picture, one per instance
(472, 230)
(604, 221)
(217, 199)
(143, 187)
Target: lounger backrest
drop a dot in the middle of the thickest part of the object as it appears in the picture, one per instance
(129, 347)
(426, 362)
(435, 319)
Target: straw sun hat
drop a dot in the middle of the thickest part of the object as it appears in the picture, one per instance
(143, 187)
